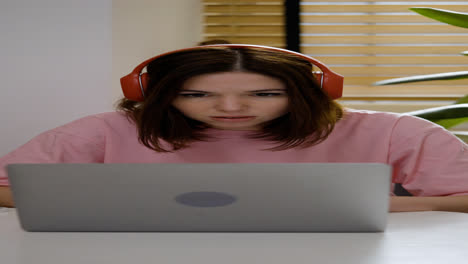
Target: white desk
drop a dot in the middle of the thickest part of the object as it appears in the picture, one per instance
(424, 237)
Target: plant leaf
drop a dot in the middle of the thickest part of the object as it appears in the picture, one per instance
(436, 114)
(426, 77)
(463, 100)
(446, 16)
(448, 123)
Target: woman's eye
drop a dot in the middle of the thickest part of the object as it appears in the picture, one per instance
(267, 94)
(199, 95)
(193, 95)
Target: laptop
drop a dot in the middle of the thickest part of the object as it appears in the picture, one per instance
(202, 197)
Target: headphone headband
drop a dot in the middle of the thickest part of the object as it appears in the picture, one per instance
(134, 84)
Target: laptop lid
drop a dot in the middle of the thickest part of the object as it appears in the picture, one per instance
(202, 197)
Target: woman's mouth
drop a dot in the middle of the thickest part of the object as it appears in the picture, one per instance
(232, 118)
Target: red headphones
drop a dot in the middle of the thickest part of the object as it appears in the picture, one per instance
(135, 83)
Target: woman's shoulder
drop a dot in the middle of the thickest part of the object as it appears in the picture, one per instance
(98, 125)
(105, 117)
(403, 127)
(99, 120)
(384, 118)
(396, 123)
(354, 117)
(371, 114)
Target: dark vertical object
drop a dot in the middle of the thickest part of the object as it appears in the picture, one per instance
(292, 20)
(400, 191)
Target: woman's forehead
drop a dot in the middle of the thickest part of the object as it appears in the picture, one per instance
(232, 80)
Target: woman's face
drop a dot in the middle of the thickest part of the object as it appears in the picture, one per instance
(233, 100)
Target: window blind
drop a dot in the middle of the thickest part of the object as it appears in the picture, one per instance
(258, 22)
(366, 41)
(369, 41)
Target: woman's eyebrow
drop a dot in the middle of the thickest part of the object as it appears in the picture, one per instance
(268, 90)
(193, 91)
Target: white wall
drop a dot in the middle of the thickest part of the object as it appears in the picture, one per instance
(61, 59)
(144, 28)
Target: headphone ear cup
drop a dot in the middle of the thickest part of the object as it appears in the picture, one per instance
(144, 83)
(333, 85)
(131, 87)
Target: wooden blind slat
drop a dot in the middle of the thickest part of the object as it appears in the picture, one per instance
(206, 2)
(350, 39)
(346, 8)
(364, 18)
(331, 29)
(245, 29)
(245, 20)
(383, 1)
(381, 29)
(388, 49)
(267, 40)
(227, 9)
(447, 60)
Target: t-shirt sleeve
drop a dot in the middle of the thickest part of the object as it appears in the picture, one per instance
(427, 159)
(81, 141)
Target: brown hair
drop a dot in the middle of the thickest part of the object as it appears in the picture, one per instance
(311, 118)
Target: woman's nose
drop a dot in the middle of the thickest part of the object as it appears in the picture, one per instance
(231, 103)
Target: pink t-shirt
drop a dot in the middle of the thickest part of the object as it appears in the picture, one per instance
(427, 159)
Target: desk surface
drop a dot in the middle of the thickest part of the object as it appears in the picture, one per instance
(420, 237)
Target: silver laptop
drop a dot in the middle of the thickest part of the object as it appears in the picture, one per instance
(202, 197)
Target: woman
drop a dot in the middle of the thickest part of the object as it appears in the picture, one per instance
(241, 103)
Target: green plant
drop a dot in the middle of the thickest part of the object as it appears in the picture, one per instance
(450, 115)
